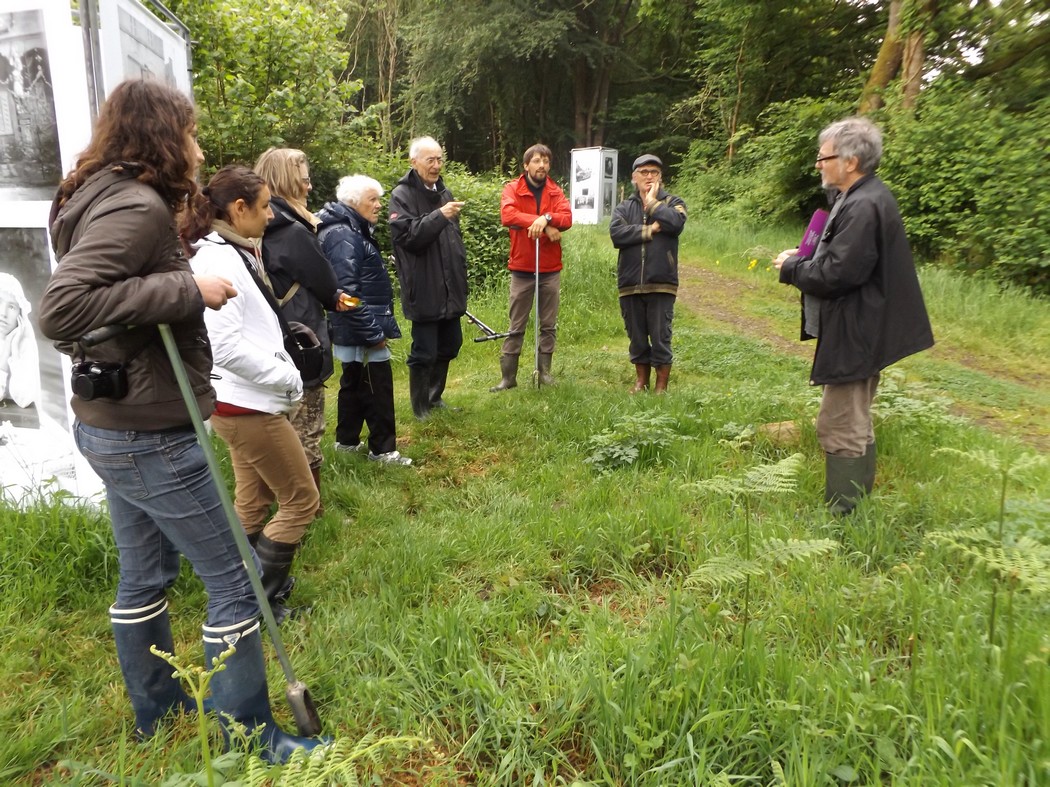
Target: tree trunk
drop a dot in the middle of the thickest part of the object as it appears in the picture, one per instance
(887, 64)
(911, 68)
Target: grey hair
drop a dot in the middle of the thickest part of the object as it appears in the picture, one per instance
(420, 142)
(856, 137)
(351, 189)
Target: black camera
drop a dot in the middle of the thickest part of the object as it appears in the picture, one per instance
(97, 379)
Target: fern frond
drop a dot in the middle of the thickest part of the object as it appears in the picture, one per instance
(324, 766)
(1025, 563)
(723, 569)
(720, 485)
(776, 550)
(974, 535)
(1029, 570)
(779, 477)
(1014, 465)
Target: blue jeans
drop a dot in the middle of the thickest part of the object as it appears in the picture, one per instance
(163, 501)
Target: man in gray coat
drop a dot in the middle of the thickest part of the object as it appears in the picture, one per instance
(860, 300)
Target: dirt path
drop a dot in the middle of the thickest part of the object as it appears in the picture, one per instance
(728, 300)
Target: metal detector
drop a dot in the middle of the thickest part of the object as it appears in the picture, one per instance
(490, 334)
(304, 711)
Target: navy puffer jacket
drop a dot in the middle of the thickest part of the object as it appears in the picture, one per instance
(350, 245)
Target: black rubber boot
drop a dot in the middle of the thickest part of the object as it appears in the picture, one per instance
(844, 482)
(544, 369)
(241, 695)
(508, 366)
(869, 468)
(276, 560)
(154, 693)
(438, 378)
(419, 390)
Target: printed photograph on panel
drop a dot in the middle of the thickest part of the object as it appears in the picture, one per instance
(36, 448)
(137, 44)
(30, 164)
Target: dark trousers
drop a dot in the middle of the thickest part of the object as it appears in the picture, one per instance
(366, 396)
(435, 341)
(648, 319)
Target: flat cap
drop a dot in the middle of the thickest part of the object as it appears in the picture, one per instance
(646, 158)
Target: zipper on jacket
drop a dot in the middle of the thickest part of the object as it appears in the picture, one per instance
(645, 223)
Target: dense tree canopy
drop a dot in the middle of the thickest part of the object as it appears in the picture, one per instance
(730, 92)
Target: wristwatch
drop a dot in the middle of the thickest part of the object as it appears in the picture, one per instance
(548, 217)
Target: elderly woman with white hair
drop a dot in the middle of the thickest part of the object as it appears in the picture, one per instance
(19, 360)
(359, 336)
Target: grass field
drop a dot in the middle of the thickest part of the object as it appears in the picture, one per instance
(577, 586)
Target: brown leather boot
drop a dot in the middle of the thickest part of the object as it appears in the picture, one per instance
(663, 373)
(644, 371)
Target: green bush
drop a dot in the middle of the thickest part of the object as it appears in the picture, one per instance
(969, 177)
(971, 182)
(487, 242)
(772, 174)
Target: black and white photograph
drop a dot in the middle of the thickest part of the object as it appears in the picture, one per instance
(30, 160)
(584, 200)
(136, 43)
(36, 448)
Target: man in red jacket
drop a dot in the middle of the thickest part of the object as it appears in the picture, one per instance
(536, 211)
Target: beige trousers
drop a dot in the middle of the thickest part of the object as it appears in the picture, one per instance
(269, 464)
(844, 425)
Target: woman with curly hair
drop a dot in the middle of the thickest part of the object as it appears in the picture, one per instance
(121, 262)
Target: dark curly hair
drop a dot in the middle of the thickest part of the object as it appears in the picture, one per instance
(143, 122)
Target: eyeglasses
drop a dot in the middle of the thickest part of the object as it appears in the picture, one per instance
(432, 160)
(821, 159)
(648, 173)
(307, 182)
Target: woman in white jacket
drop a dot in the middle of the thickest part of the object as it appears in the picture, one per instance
(257, 384)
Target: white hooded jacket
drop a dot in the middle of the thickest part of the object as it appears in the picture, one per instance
(250, 361)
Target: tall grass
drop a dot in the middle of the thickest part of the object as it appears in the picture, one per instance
(527, 611)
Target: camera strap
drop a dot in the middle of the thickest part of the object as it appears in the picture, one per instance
(266, 291)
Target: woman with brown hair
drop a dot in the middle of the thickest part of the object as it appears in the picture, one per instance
(257, 383)
(121, 262)
(302, 280)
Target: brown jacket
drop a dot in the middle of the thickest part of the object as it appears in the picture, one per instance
(121, 262)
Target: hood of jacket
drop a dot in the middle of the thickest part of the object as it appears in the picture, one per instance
(284, 215)
(338, 213)
(64, 218)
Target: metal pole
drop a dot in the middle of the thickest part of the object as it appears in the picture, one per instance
(536, 323)
(303, 709)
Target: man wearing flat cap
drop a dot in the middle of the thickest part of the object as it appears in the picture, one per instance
(645, 228)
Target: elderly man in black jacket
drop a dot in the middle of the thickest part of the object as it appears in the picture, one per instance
(432, 268)
(860, 300)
